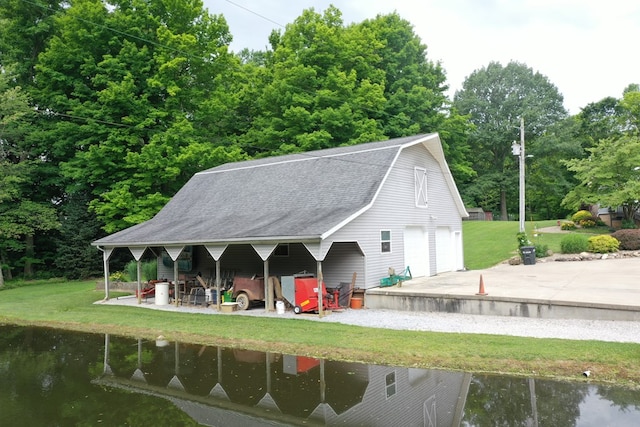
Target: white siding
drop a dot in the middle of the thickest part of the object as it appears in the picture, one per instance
(395, 209)
(343, 259)
(403, 403)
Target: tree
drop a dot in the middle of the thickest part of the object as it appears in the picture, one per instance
(630, 104)
(22, 214)
(75, 257)
(609, 117)
(415, 92)
(547, 178)
(609, 176)
(26, 28)
(322, 88)
(495, 98)
(599, 120)
(138, 92)
(327, 84)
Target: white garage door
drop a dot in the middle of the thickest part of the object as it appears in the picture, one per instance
(416, 251)
(444, 250)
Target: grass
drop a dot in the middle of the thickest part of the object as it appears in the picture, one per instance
(69, 305)
(487, 243)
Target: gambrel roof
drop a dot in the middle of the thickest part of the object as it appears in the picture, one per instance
(297, 197)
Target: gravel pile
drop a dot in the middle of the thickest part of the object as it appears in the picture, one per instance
(574, 329)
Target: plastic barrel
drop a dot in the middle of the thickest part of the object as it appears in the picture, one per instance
(162, 293)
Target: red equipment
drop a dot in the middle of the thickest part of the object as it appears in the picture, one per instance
(306, 296)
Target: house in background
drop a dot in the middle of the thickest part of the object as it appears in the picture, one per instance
(356, 209)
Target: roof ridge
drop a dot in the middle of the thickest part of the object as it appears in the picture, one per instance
(312, 155)
(306, 156)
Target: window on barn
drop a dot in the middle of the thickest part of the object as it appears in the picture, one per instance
(390, 384)
(420, 180)
(385, 241)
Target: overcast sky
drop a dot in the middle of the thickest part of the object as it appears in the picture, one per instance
(589, 49)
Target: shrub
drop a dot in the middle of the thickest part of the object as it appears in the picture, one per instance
(580, 215)
(574, 244)
(118, 276)
(628, 224)
(629, 239)
(587, 223)
(523, 240)
(568, 225)
(150, 270)
(603, 244)
(132, 271)
(542, 250)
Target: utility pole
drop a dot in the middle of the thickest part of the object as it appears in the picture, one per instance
(522, 157)
(518, 150)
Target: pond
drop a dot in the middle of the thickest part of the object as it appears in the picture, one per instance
(52, 377)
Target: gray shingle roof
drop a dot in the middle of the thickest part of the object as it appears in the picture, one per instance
(298, 196)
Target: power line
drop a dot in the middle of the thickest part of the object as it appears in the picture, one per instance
(154, 43)
(255, 13)
(105, 27)
(48, 112)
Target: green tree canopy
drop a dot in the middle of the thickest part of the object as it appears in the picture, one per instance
(495, 98)
(135, 88)
(321, 88)
(609, 176)
(327, 84)
(22, 214)
(123, 101)
(609, 173)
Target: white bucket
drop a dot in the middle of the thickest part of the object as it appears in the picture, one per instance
(162, 293)
(279, 307)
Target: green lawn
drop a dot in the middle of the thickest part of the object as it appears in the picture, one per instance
(487, 243)
(69, 305)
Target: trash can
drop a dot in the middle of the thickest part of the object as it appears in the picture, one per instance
(528, 255)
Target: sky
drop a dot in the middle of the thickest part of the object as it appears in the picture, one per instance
(588, 49)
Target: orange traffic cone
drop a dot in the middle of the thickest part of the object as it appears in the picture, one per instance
(481, 290)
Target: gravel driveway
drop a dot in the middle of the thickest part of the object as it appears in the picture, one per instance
(573, 329)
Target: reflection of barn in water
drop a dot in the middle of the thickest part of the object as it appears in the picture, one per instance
(222, 386)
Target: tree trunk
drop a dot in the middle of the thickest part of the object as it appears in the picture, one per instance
(503, 206)
(1, 277)
(2, 262)
(29, 251)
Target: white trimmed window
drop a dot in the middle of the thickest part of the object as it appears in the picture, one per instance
(390, 384)
(420, 181)
(385, 241)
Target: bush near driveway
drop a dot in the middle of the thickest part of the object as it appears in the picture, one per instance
(629, 239)
(603, 244)
(574, 244)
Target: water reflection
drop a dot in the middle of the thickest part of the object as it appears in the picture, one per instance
(88, 379)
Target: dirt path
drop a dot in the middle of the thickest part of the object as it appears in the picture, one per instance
(554, 229)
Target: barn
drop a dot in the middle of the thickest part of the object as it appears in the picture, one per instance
(354, 209)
